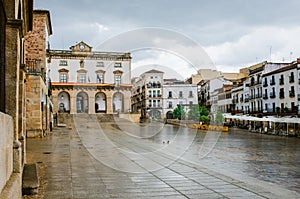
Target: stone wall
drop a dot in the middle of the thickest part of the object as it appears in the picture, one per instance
(6, 149)
(37, 114)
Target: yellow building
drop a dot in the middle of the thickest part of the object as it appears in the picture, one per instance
(38, 102)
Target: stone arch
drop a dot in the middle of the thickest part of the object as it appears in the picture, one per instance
(169, 115)
(63, 102)
(118, 102)
(155, 113)
(82, 102)
(100, 103)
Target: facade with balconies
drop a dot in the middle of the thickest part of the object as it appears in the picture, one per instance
(255, 88)
(280, 89)
(179, 93)
(147, 91)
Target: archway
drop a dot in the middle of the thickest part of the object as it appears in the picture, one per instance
(155, 113)
(82, 103)
(63, 102)
(100, 102)
(169, 115)
(118, 102)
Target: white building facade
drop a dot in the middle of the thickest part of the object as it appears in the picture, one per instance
(89, 81)
(179, 94)
(147, 93)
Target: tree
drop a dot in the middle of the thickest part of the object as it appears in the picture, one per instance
(219, 117)
(179, 113)
(199, 113)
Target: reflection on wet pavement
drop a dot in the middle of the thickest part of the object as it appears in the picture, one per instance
(266, 157)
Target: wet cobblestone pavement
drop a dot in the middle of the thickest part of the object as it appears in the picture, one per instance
(240, 164)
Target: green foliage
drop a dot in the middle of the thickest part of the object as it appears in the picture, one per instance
(219, 117)
(199, 113)
(204, 118)
(179, 112)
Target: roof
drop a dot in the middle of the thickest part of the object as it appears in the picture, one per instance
(153, 71)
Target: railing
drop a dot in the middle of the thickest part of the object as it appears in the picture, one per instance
(281, 95)
(265, 84)
(265, 96)
(272, 95)
(272, 82)
(33, 67)
(292, 93)
(281, 81)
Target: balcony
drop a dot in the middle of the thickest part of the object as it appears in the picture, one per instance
(265, 96)
(235, 101)
(281, 81)
(265, 84)
(33, 67)
(281, 95)
(272, 95)
(272, 82)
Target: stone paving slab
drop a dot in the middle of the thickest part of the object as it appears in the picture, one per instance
(72, 172)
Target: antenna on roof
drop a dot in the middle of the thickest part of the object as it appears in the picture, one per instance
(270, 53)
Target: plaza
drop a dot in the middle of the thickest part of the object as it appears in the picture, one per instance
(136, 162)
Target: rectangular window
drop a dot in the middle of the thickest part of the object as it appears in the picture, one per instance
(281, 93)
(100, 64)
(82, 78)
(118, 64)
(150, 93)
(154, 103)
(170, 105)
(158, 93)
(118, 79)
(158, 103)
(191, 94)
(154, 93)
(180, 93)
(63, 63)
(170, 94)
(63, 78)
(150, 103)
(191, 103)
(100, 79)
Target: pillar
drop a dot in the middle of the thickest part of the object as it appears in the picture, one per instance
(91, 96)
(12, 76)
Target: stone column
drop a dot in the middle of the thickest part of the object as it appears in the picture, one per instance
(109, 103)
(127, 101)
(91, 103)
(22, 113)
(73, 103)
(12, 76)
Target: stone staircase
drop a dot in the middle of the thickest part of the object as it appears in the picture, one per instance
(67, 120)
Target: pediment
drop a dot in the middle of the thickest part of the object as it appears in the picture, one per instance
(81, 47)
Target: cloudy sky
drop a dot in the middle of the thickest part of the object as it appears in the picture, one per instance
(233, 33)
